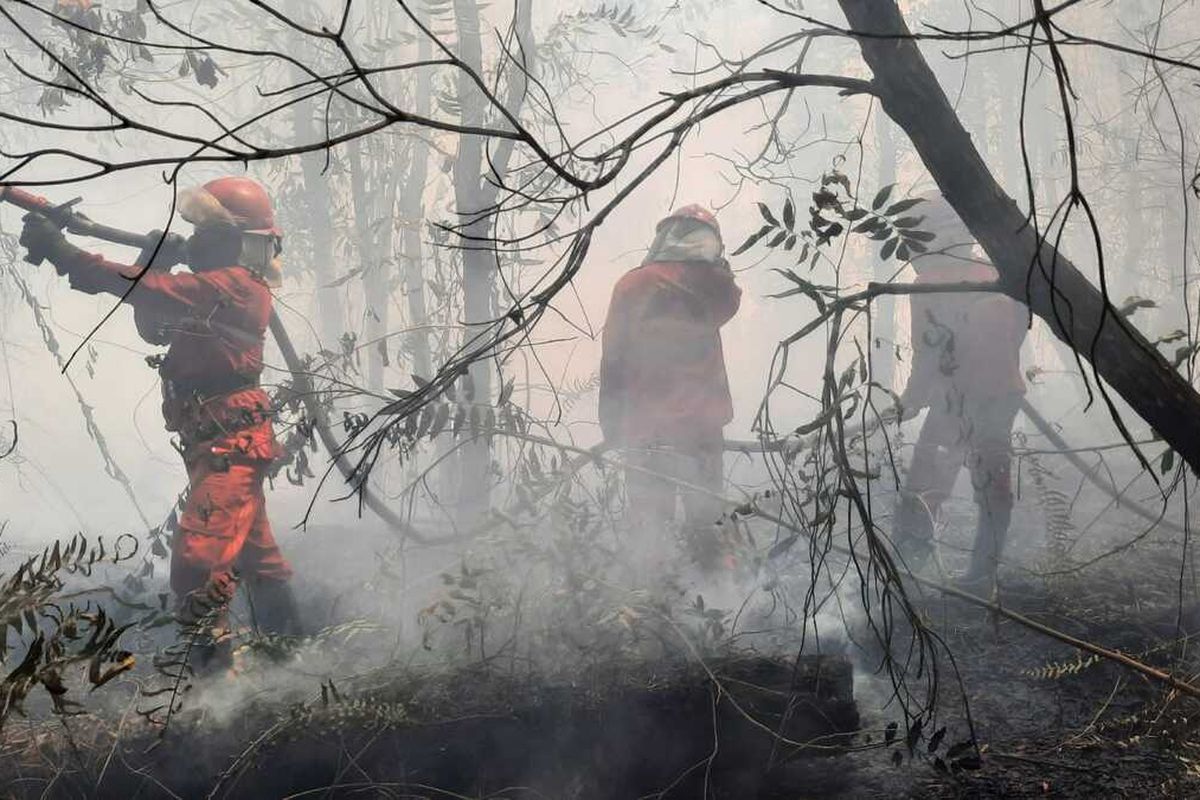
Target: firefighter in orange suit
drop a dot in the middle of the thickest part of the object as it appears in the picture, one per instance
(213, 319)
(664, 393)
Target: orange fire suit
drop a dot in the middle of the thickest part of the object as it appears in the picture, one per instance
(662, 373)
(664, 390)
(214, 322)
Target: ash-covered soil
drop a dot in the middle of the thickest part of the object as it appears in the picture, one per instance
(1047, 722)
(1047, 730)
(1050, 721)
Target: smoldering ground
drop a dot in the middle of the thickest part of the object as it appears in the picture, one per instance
(531, 661)
(551, 663)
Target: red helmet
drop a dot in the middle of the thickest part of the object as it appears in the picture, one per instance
(236, 200)
(696, 212)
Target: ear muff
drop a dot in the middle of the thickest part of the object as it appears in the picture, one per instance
(260, 253)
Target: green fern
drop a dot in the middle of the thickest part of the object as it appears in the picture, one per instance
(1056, 670)
(1056, 509)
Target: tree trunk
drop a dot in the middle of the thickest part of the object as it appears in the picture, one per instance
(474, 194)
(412, 210)
(477, 260)
(1073, 307)
(319, 214)
(883, 366)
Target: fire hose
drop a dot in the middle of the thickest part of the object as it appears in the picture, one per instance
(805, 439)
(74, 222)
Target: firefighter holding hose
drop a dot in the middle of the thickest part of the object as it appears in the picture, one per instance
(212, 318)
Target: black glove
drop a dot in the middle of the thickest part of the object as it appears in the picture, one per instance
(172, 251)
(44, 240)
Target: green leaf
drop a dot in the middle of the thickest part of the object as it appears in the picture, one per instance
(789, 215)
(753, 239)
(882, 196)
(829, 233)
(440, 418)
(807, 288)
(902, 206)
(1182, 354)
(836, 177)
(902, 253)
(778, 239)
(888, 248)
(920, 236)
(767, 215)
(1134, 303)
(1166, 461)
(855, 214)
(907, 222)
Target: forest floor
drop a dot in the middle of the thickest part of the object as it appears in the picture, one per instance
(1047, 722)
(1051, 722)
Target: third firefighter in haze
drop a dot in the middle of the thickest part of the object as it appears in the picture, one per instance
(966, 371)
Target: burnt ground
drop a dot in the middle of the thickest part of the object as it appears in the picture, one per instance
(1047, 724)
(1053, 723)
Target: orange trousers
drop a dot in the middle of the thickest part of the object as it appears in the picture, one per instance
(224, 527)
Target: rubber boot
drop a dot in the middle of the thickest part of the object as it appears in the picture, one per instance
(704, 545)
(912, 531)
(991, 534)
(203, 619)
(273, 604)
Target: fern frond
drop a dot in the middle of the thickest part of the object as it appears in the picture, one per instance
(1056, 509)
(1061, 669)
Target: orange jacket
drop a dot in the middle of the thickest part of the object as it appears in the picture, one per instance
(662, 374)
(214, 322)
